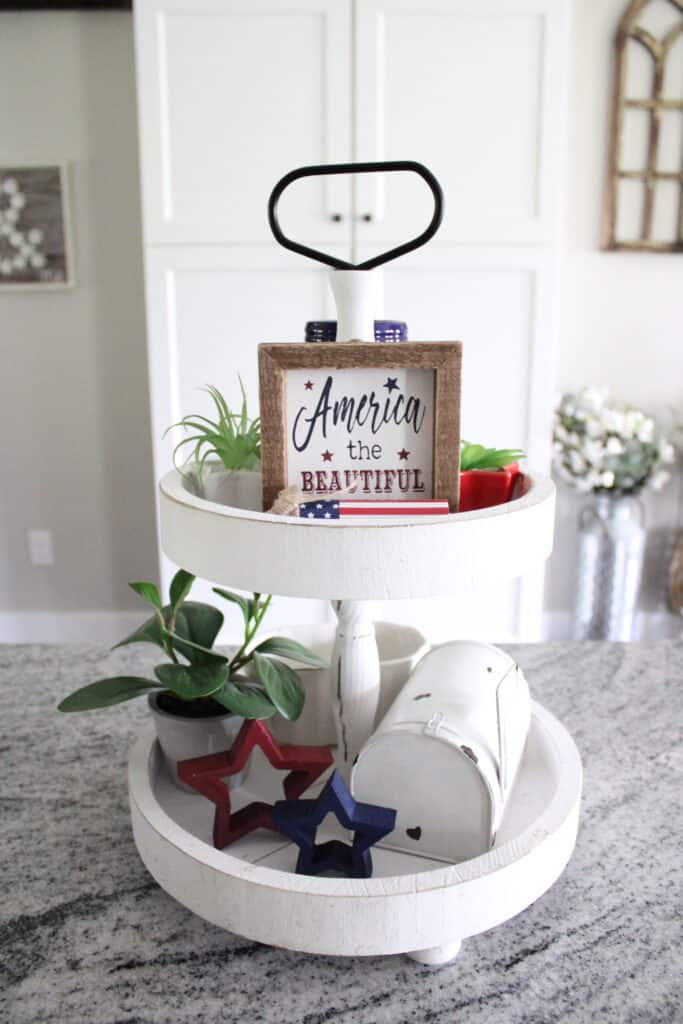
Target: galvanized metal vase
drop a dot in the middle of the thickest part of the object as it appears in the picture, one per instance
(611, 547)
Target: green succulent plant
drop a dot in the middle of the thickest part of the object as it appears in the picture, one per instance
(234, 438)
(252, 682)
(475, 456)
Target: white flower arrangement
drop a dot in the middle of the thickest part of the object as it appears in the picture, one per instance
(601, 444)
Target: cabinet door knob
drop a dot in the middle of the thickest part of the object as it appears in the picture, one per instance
(367, 217)
(336, 217)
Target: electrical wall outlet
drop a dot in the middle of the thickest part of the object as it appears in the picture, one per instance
(40, 547)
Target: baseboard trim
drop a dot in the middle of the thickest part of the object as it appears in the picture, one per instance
(67, 627)
(647, 626)
(110, 627)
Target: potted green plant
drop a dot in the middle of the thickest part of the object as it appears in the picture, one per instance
(223, 454)
(200, 696)
(488, 476)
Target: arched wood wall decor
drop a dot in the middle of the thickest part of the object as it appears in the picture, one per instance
(656, 104)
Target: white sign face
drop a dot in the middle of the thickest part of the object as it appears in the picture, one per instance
(372, 427)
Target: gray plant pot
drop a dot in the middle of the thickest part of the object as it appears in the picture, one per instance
(181, 738)
(240, 488)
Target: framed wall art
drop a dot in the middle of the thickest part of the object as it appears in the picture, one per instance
(66, 5)
(643, 209)
(35, 249)
(383, 417)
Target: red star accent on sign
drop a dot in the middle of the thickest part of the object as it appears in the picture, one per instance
(206, 775)
(327, 456)
(403, 454)
(309, 385)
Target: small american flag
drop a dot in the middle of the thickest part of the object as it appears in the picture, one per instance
(324, 508)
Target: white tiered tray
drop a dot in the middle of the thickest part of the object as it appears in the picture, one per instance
(411, 905)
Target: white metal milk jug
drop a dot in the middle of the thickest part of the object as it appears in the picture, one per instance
(446, 753)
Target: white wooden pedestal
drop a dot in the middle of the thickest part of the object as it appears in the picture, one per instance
(351, 563)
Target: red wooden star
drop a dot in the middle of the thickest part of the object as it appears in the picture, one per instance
(309, 385)
(327, 456)
(206, 775)
(403, 454)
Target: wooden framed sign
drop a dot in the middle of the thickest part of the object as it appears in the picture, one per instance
(383, 416)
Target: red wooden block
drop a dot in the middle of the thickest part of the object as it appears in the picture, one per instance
(206, 775)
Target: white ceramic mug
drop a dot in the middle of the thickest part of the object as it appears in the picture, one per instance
(400, 648)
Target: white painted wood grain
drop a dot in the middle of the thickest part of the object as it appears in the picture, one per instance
(355, 681)
(407, 558)
(393, 913)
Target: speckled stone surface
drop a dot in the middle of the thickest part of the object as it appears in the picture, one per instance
(87, 936)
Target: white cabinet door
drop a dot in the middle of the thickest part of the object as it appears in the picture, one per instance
(474, 90)
(232, 95)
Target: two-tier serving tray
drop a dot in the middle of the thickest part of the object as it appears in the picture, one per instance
(411, 904)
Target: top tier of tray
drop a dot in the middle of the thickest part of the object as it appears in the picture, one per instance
(373, 560)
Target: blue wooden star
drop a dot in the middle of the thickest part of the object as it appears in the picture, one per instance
(299, 819)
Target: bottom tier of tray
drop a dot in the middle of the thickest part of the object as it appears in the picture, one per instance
(411, 904)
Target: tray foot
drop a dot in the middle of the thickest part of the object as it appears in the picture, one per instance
(437, 956)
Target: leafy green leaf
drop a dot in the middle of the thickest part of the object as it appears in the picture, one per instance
(287, 648)
(149, 632)
(246, 605)
(197, 626)
(195, 653)
(282, 685)
(180, 587)
(245, 700)
(149, 592)
(497, 458)
(106, 692)
(475, 456)
(470, 454)
(191, 681)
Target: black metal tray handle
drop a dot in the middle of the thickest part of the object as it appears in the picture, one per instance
(362, 168)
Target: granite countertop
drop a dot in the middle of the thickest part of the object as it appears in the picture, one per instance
(86, 935)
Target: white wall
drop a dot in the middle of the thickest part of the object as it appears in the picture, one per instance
(73, 381)
(621, 313)
(73, 385)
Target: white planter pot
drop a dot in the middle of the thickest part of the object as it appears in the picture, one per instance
(239, 488)
(181, 738)
(400, 649)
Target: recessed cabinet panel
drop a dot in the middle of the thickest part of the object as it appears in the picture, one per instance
(468, 89)
(212, 309)
(227, 108)
(452, 304)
